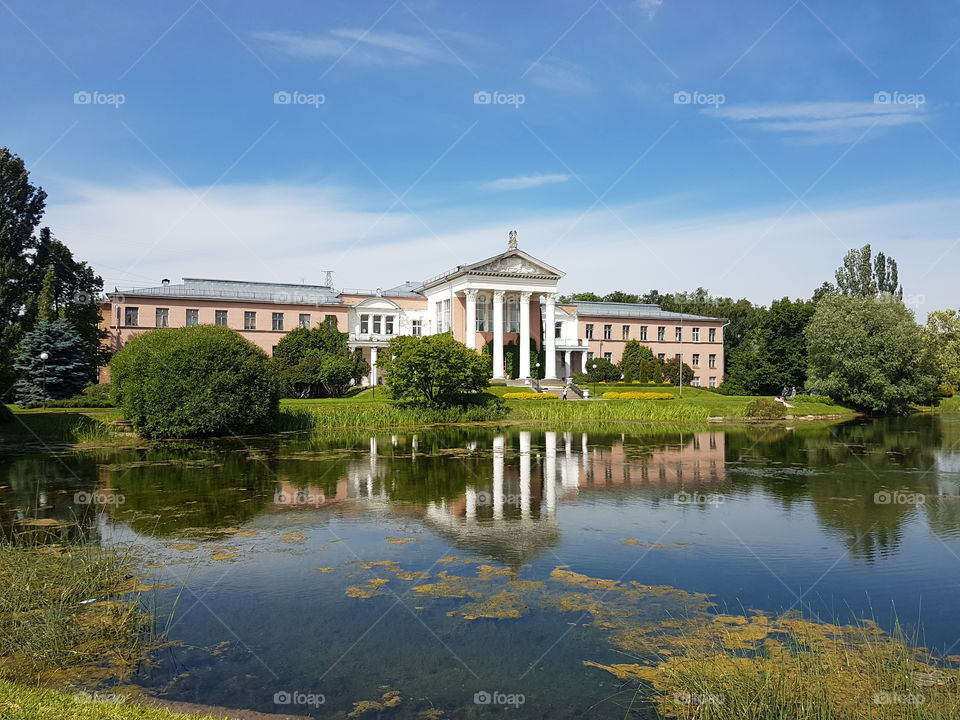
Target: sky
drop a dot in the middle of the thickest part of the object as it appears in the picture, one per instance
(743, 147)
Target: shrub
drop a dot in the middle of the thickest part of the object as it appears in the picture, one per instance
(316, 362)
(601, 370)
(195, 381)
(529, 396)
(766, 409)
(634, 395)
(93, 396)
(433, 371)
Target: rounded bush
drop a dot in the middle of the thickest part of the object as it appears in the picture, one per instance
(193, 382)
(635, 395)
(766, 409)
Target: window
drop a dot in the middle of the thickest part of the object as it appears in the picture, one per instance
(364, 324)
(589, 331)
(661, 333)
(607, 332)
(712, 361)
(696, 381)
(696, 334)
(277, 321)
(484, 313)
(513, 314)
(678, 356)
(558, 329)
(220, 317)
(589, 355)
(626, 332)
(388, 324)
(608, 356)
(643, 333)
(416, 328)
(131, 316)
(713, 381)
(678, 334)
(377, 324)
(193, 317)
(249, 320)
(446, 315)
(163, 317)
(696, 359)
(304, 321)
(712, 334)
(330, 321)
(661, 356)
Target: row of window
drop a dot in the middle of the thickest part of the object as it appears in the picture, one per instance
(131, 318)
(386, 325)
(661, 333)
(694, 359)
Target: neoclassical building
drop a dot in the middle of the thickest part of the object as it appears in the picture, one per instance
(506, 305)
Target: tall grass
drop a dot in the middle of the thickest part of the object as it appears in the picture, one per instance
(373, 415)
(604, 410)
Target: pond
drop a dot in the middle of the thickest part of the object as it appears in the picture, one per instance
(442, 570)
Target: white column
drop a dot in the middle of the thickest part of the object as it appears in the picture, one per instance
(471, 509)
(470, 332)
(550, 472)
(498, 335)
(498, 446)
(373, 366)
(525, 474)
(583, 362)
(549, 336)
(568, 362)
(524, 335)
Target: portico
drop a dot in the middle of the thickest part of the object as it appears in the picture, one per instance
(505, 305)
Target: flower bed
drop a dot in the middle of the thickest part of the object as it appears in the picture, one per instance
(638, 396)
(529, 396)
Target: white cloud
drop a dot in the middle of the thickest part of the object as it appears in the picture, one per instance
(649, 7)
(367, 47)
(822, 121)
(522, 182)
(134, 236)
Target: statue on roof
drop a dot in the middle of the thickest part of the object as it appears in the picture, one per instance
(512, 243)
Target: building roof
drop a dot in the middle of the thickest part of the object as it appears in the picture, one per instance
(280, 293)
(511, 263)
(407, 289)
(633, 310)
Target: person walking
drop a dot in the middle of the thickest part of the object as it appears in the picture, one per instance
(793, 392)
(565, 389)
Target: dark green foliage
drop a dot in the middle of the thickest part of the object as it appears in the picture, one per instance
(862, 276)
(433, 371)
(672, 370)
(93, 396)
(766, 409)
(638, 362)
(195, 381)
(64, 372)
(870, 354)
(316, 362)
(600, 370)
(774, 353)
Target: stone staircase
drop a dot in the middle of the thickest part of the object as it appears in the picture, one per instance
(548, 386)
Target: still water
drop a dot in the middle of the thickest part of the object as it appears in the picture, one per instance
(355, 567)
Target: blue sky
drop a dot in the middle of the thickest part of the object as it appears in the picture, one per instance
(636, 144)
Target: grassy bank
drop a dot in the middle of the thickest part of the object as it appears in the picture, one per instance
(22, 703)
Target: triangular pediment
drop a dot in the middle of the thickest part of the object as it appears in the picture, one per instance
(514, 262)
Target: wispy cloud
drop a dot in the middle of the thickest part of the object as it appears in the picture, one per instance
(523, 182)
(555, 74)
(649, 8)
(819, 122)
(358, 46)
